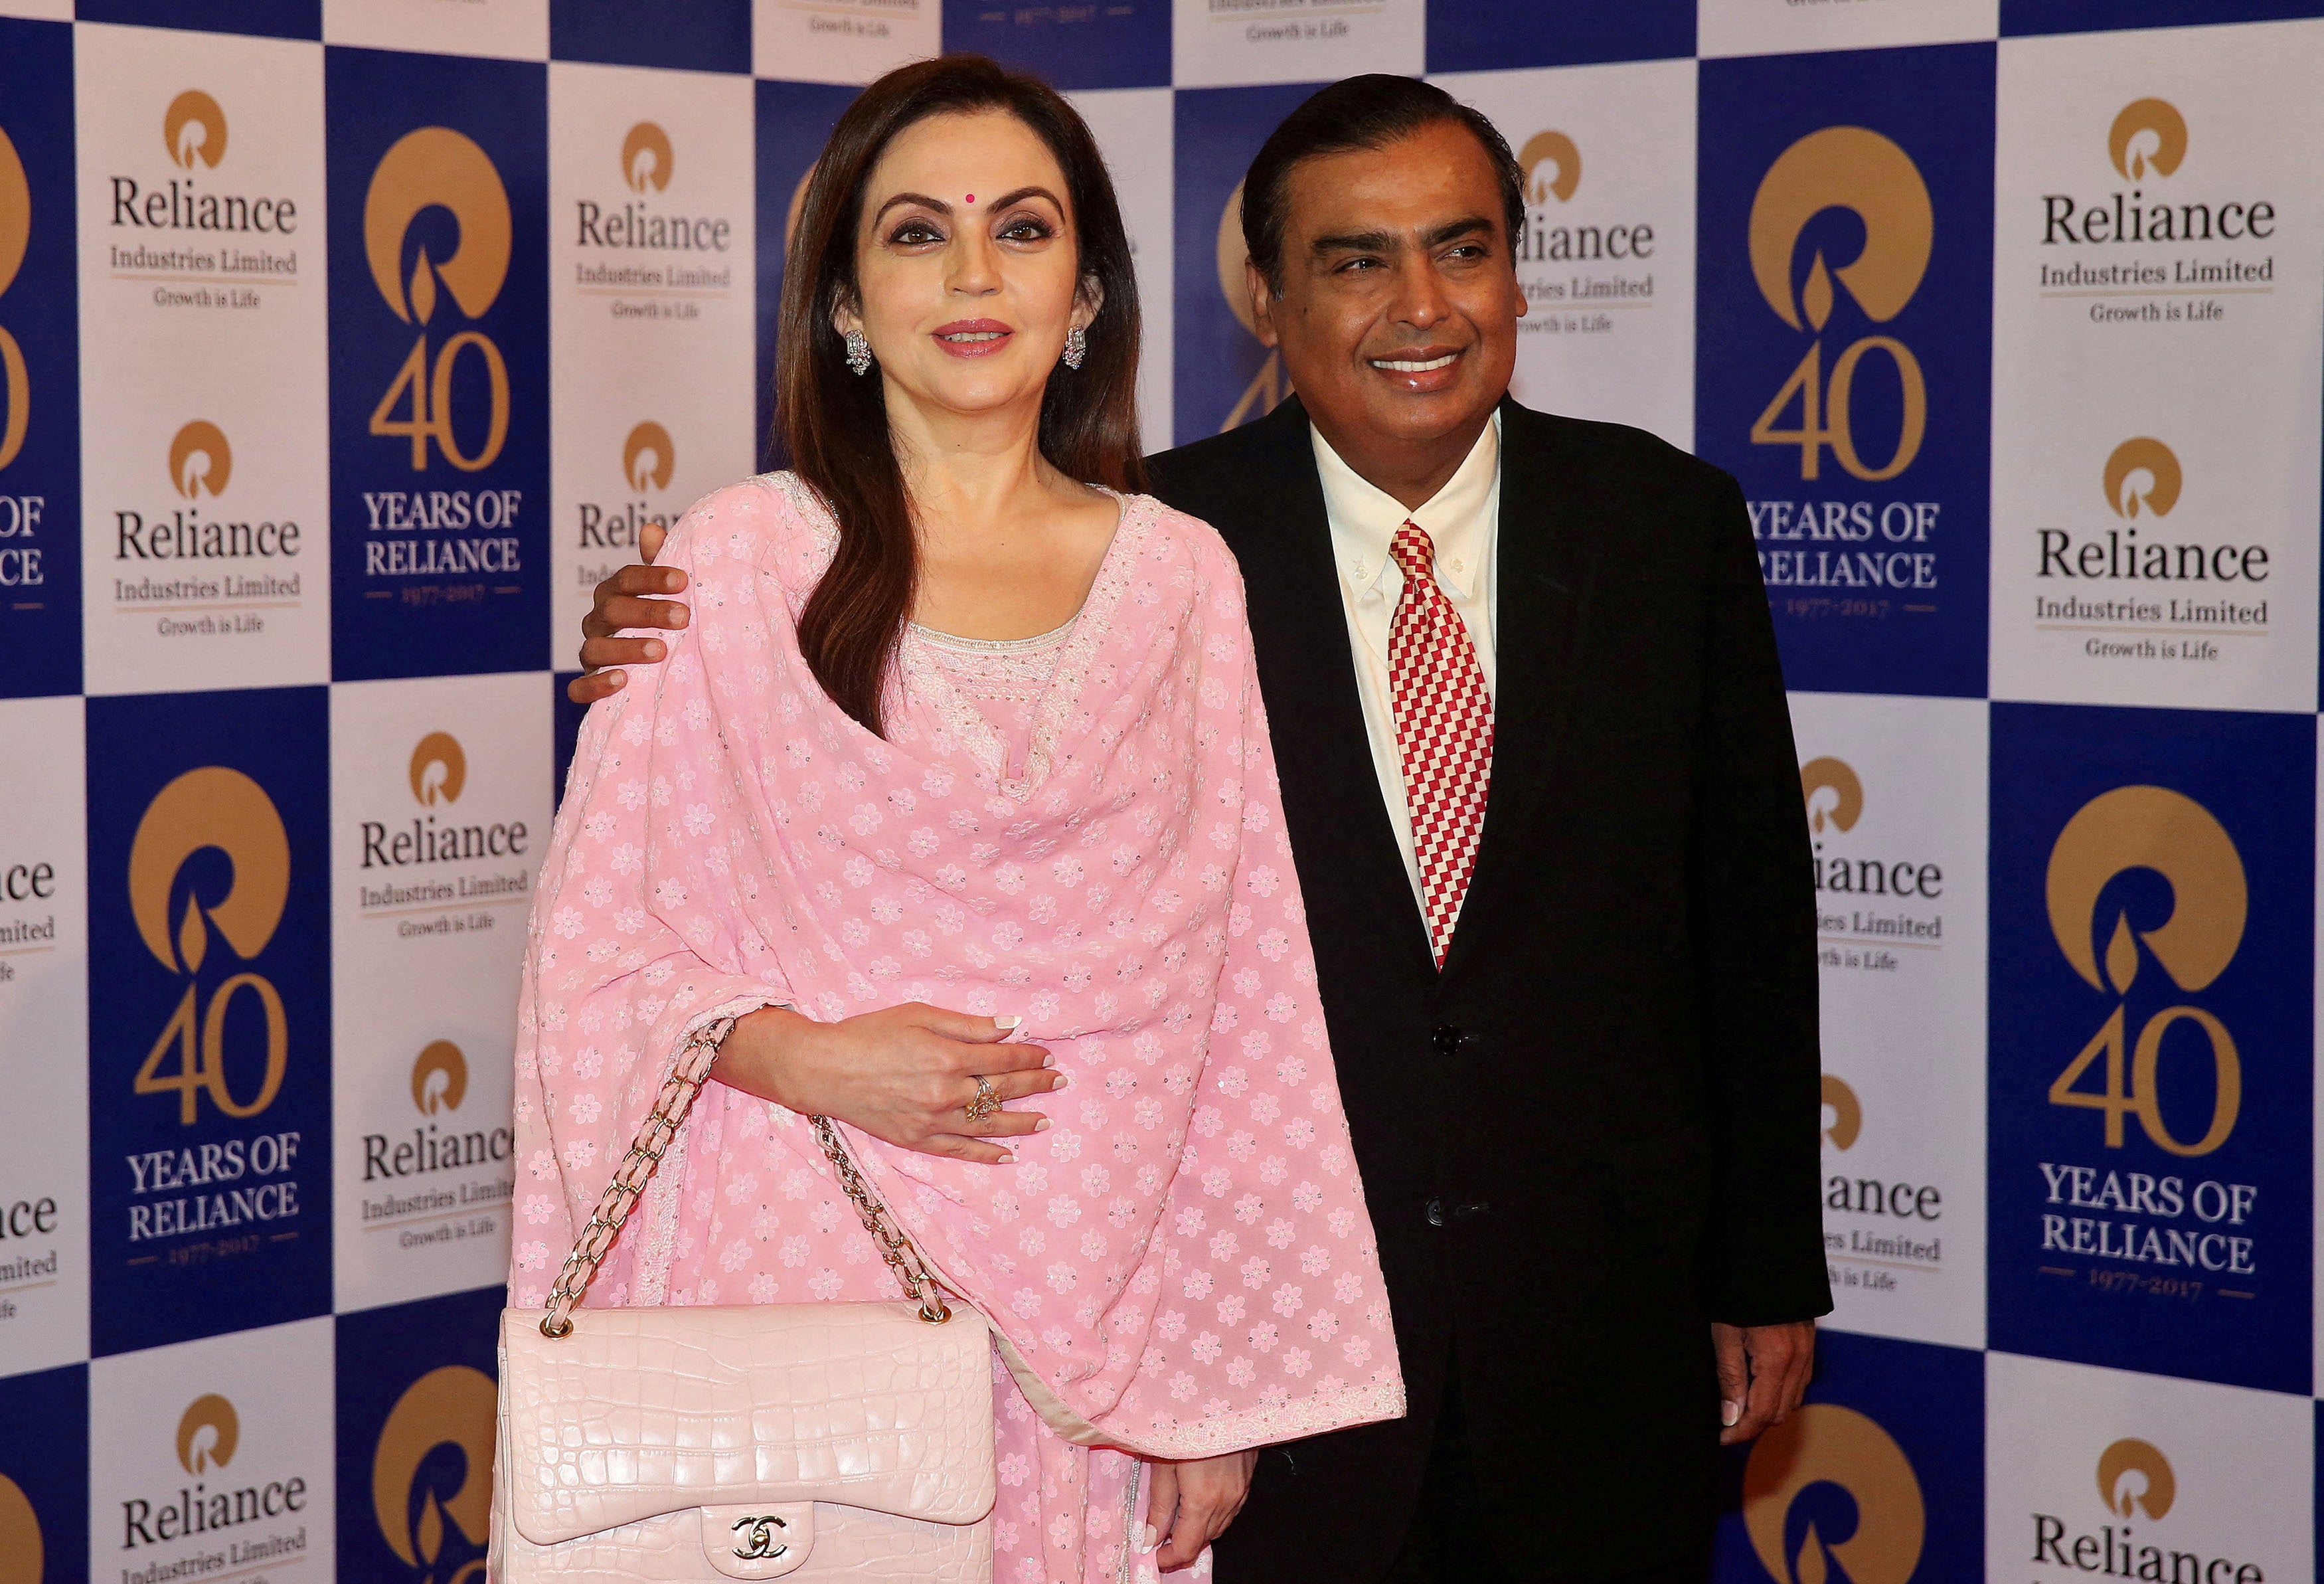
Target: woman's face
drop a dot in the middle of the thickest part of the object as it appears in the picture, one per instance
(966, 261)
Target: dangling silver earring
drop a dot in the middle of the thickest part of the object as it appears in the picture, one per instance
(859, 352)
(1076, 346)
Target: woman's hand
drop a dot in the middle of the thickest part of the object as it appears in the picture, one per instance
(905, 1075)
(1192, 1504)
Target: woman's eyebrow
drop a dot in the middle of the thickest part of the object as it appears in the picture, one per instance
(1022, 193)
(921, 198)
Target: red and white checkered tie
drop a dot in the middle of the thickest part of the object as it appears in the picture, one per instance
(1444, 732)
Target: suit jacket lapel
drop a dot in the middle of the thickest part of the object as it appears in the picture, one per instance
(1544, 574)
(1315, 715)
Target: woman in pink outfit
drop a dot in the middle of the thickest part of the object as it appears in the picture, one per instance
(957, 791)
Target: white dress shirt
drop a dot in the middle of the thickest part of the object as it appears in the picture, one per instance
(1463, 520)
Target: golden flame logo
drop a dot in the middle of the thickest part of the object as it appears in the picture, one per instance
(648, 457)
(200, 460)
(1554, 149)
(197, 1454)
(2153, 458)
(432, 166)
(1853, 168)
(646, 157)
(1846, 800)
(439, 769)
(2148, 827)
(1847, 1113)
(23, 1554)
(453, 1405)
(15, 212)
(1268, 387)
(209, 807)
(15, 236)
(193, 128)
(2148, 137)
(1821, 1442)
(439, 1079)
(2156, 1486)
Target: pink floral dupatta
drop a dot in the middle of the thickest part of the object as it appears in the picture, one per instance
(1183, 1265)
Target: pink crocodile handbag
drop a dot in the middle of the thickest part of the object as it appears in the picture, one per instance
(802, 1440)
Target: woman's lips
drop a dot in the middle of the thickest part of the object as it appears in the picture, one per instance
(973, 338)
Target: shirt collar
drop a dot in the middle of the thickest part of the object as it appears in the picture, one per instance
(1457, 518)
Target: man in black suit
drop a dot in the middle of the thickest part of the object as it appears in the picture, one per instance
(1578, 1048)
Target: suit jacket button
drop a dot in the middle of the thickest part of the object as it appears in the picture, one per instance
(1436, 1212)
(1445, 1038)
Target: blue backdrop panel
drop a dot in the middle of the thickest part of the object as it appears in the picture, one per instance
(2151, 1045)
(2078, 16)
(415, 1436)
(1463, 36)
(210, 1037)
(281, 19)
(44, 1472)
(1224, 375)
(1813, 1486)
(1845, 279)
(700, 35)
(39, 370)
(438, 171)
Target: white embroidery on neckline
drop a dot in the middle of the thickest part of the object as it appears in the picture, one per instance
(1076, 656)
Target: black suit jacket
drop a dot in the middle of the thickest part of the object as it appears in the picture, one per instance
(1596, 1130)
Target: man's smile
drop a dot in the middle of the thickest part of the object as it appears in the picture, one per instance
(1425, 370)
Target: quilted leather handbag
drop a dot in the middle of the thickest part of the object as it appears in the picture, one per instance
(802, 1440)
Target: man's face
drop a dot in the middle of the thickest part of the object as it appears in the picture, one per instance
(1398, 316)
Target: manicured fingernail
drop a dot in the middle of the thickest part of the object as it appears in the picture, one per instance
(1048, 1058)
(1063, 1083)
(653, 649)
(1009, 1022)
(1729, 1413)
(1005, 1161)
(1148, 1540)
(679, 615)
(1042, 1126)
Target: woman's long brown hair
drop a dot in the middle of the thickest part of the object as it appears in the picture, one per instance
(834, 422)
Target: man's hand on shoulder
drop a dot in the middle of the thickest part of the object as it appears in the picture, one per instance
(1763, 1370)
(634, 597)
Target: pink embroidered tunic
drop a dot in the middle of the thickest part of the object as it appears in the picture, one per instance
(1084, 830)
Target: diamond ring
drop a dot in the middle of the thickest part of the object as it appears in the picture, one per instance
(986, 1102)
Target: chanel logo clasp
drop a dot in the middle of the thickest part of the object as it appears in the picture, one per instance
(760, 1544)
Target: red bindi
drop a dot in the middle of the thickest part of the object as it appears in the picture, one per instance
(970, 198)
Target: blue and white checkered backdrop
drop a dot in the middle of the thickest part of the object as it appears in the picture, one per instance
(345, 344)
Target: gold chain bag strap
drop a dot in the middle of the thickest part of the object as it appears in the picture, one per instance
(808, 1440)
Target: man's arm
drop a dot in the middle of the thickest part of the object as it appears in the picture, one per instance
(1754, 913)
(627, 599)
